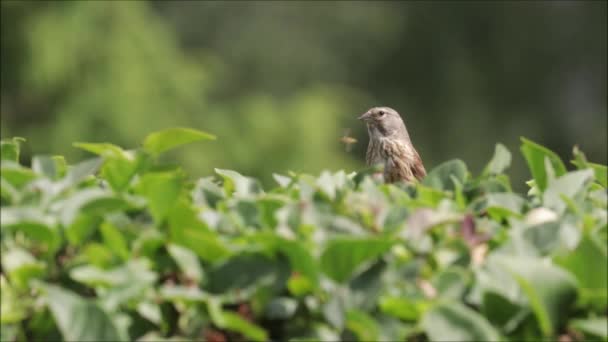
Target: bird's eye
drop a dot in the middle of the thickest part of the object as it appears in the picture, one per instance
(381, 113)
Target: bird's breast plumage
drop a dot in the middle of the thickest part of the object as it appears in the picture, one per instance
(400, 160)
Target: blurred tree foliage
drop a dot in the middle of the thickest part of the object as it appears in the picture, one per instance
(280, 82)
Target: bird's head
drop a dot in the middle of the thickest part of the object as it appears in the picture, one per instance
(383, 122)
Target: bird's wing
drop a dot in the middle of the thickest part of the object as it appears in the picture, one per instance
(418, 168)
(399, 160)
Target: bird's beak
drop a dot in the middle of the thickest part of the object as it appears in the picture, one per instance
(365, 116)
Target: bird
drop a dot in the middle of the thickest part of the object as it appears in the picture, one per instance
(390, 145)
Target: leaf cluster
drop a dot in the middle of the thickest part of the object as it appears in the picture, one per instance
(123, 247)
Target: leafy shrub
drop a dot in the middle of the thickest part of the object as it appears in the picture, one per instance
(123, 247)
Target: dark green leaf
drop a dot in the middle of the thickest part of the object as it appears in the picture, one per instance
(343, 256)
(535, 156)
(300, 259)
(593, 280)
(80, 319)
(550, 290)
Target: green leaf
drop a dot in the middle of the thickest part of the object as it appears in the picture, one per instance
(21, 267)
(342, 257)
(441, 176)
(95, 276)
(451, 283)
(13, 309)
(187, 261)
(81, 228)
(16, 175)
(189, 231)
(567, 185)
(61, 166)
(101, 149)
(119, 171)
(299, 285)
(97, 254)
(535, 155)
(114, 239)
(46, 166)
(452, 321)
(161, 190)
(300, 259)
(242, 186)
(9, 149)
(500, 161)
(119, 166)
(601, 171)
(33, 223)
(93, 201)
(231, 321)
(159, 142)
(134, 270)
(150, 311)
(504, 204)
(364, 326)
(247, 271)
(81, 171)
(8, 192)
(330, 183)
(282, 180)
(428, 196)
(148, 243)
(593, 280)
(268, 205)
(207, 193)
(80, 319)
(281, 308)
(549, 289)
(544, 237)
(597, 327)
(407, 309)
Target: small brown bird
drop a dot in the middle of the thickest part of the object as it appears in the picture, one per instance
(390, 145)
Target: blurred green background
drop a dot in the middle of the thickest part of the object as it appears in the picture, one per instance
(280, 82)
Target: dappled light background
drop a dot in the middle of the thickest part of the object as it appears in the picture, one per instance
(280, 82)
